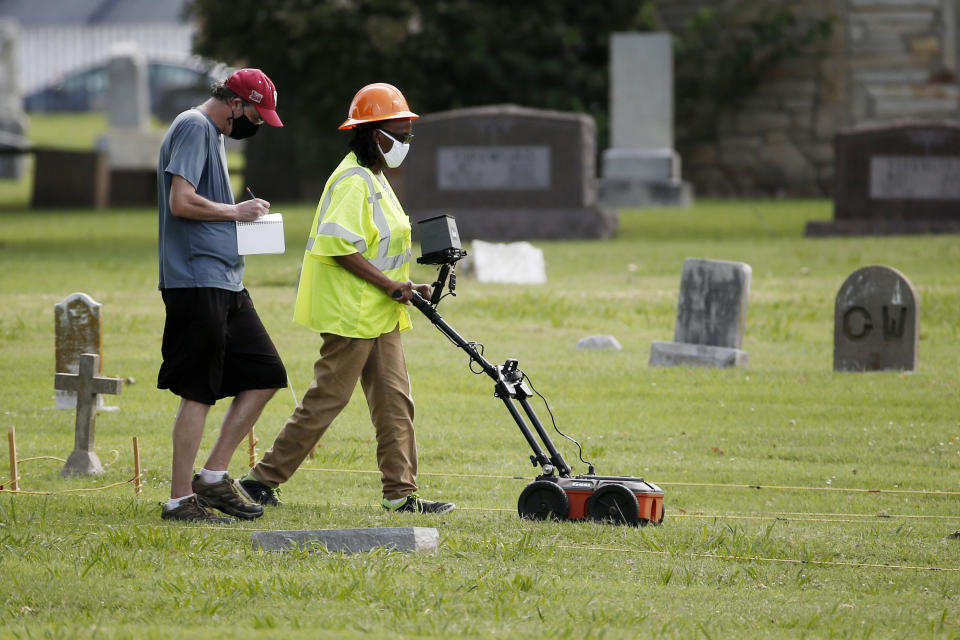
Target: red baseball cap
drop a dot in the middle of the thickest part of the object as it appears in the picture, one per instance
(254, 86)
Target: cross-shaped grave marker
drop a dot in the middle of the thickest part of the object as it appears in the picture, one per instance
(83, 460)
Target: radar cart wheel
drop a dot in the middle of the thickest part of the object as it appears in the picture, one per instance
(614, 503)
(543, 499)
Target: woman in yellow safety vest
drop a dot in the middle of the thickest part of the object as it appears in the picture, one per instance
(354, 290)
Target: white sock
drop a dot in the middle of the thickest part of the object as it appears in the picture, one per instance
(212, 476)
(173, 503)
(397, 501)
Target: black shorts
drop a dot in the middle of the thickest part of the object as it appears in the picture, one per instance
(214, 346)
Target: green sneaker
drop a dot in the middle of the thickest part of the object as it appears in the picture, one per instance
(416, 504)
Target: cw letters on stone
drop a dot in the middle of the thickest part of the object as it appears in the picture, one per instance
(876, 321)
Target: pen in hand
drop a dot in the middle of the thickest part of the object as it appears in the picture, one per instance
(266, 208)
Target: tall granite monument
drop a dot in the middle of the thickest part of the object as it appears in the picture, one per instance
(13, 121)
(641, 167)
(132, 147)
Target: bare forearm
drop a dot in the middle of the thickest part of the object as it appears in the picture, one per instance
(402, 292)
(193, 206)
(185, 202)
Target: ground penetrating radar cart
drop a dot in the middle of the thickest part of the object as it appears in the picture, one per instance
(555, 493)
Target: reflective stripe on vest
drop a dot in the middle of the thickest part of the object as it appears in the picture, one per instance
(383, 261)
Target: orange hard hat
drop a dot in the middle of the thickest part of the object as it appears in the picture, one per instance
(377, 101)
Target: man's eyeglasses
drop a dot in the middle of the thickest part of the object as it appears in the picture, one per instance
(255, 120)
(402, 138)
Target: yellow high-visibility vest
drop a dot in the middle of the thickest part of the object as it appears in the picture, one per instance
(357, 214)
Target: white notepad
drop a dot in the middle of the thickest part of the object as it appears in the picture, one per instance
(263, 235)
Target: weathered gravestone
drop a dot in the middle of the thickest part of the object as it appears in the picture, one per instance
(641, 167)
(511, 262)
(898, 178)
(87, 386)
(132, 148)
(507, 173)
(411, 539)
(13, 121)
(77, 330)
(711, 314)
(876, 321)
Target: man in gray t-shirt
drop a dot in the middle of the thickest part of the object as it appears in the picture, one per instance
(214, 345)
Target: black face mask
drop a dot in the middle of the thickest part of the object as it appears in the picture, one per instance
(242, 127)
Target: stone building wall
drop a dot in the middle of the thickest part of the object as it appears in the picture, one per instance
(885, 60)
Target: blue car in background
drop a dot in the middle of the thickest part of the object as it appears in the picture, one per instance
(172, 87)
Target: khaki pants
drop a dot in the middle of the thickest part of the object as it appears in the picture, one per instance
(379, 365)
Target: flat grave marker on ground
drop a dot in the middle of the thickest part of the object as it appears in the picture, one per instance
(408, 539)
(510, 263)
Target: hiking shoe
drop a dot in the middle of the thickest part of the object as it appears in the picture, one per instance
(258, 492)
(191, 511)
(223, 495)
(416, 504)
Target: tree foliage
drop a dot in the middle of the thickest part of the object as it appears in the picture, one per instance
(723, 56)
(445, 54)
(442, 54)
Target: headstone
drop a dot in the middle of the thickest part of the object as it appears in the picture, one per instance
(411, 539)
(128, 101)
(511, 263)
(71, 179)
(711, 315)
(641, 167)
(132, 147)
(507, 173)
(13, 121)
(894, 179)
(88, 387)
(876, 322)
(599, 342)
(77, 330)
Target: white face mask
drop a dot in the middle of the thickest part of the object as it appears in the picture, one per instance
(394, 157)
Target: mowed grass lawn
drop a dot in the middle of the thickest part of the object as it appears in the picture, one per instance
(814, 553)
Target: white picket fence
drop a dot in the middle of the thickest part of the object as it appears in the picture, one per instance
(48, 53)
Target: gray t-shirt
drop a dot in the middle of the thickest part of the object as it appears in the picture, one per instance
(194, 253)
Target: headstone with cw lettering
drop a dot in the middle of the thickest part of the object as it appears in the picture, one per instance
(711, 315)
(77, 330)
(895, 178)
(876, 322)
(506, 173)
(88, 387)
